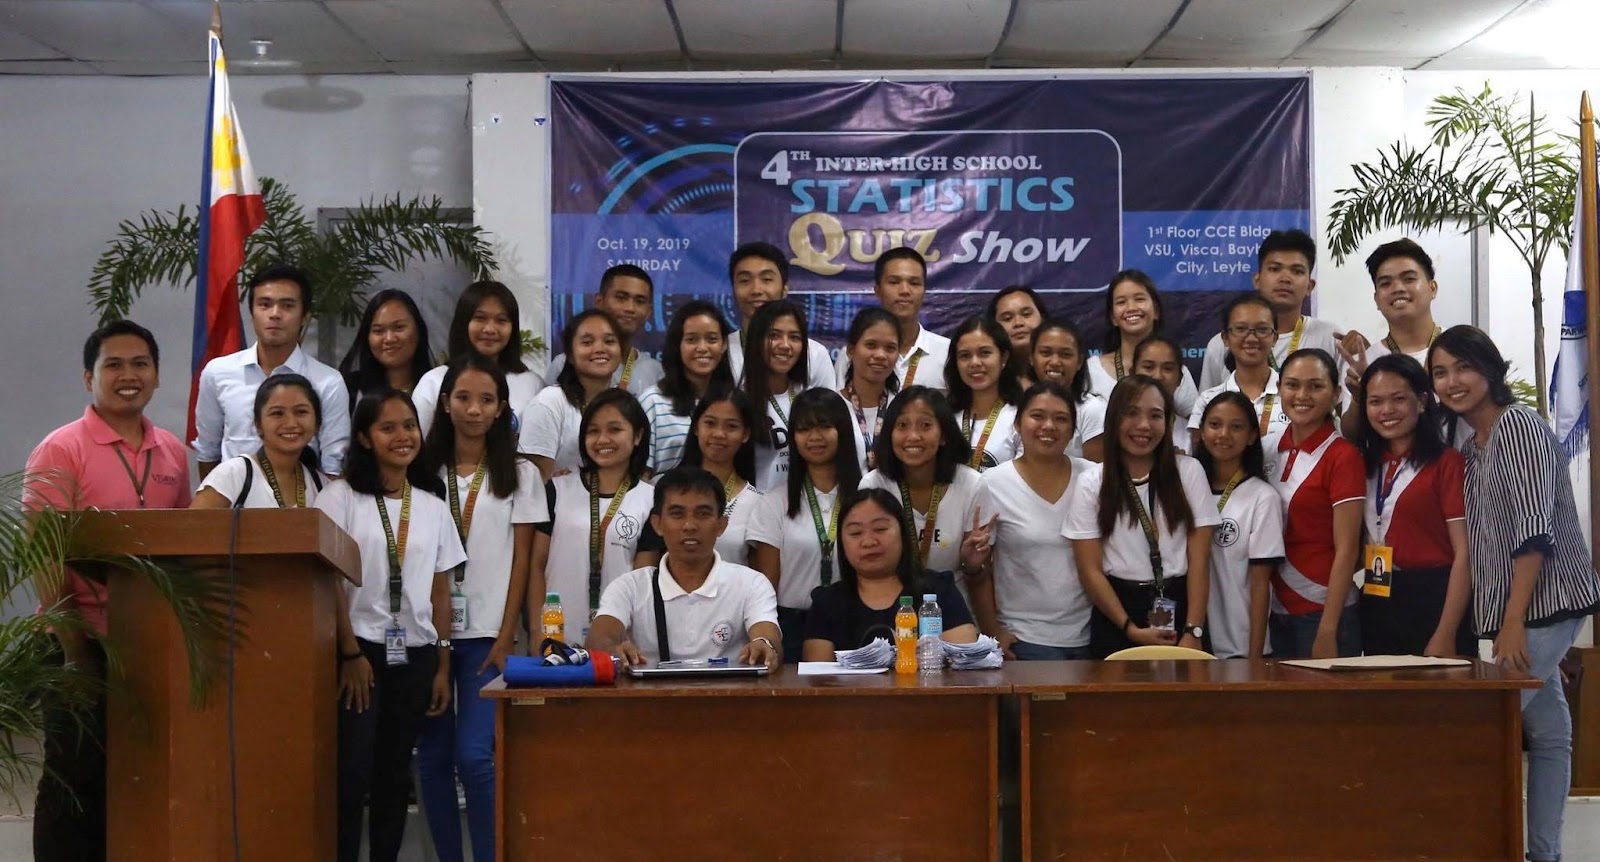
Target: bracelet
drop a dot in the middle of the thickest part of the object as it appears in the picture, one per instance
(353, 656)
(1126, 623)
(770, 645)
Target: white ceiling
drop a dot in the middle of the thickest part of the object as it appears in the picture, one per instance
(166, 37)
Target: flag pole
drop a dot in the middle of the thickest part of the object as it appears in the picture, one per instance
(1589, 251)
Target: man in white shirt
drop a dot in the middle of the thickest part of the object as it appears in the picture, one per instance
(279, 299)
(759, 274)
(900, 280)
(627, 293)
(1403, 289)
(712, 609)
(1284, 263)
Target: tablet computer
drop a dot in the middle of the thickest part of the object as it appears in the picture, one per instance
(696, 667)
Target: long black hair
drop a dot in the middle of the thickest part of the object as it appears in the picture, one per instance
(360, 468)
(954, 448)
(1474, 347)
(361, 369)
(756, 370)
(993, 308)
(510, 357)
(865, 319)
(1427, 442)
(1139, 277)
(744, 460)
(1253, 460)
(822, 408)
(567, 379)
(632, 413)
(960, 393)
(1079, 387)
(674, 381)
(1165, 482)
(308, 455)
(500, 445)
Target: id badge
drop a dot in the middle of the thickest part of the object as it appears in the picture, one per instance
(1164, 614)
(1379, 561)
(458, 614)
(394, 646)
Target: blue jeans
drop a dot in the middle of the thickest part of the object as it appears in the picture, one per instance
(1548, 728)
(1292, 635)
(1025, 651)
(461, 742)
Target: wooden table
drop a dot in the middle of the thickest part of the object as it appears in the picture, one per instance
(787, 767)
(1239, 760)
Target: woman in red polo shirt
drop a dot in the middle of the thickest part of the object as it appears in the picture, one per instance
(1323, 483)
(1418, 581)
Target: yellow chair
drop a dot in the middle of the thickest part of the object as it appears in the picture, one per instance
(1160, 651)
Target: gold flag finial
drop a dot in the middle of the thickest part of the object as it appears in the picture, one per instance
(216, 17)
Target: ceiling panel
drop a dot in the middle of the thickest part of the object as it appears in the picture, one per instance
(1416, 28)
(1264, 49)
(1067, 32)
(924, 29)
(808, 28)
(299, 29)
(1544, 34)
(46, 67)
(419, 29)
(100, 29)
(620, 31)
(154, 68)
(1244, 31)
(15, 46)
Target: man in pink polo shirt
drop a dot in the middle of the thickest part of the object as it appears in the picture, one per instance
(111, 458)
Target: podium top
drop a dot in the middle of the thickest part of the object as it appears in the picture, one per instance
(206, 532)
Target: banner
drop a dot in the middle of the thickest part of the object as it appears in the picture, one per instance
(1056, 184)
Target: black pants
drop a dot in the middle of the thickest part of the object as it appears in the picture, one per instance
(69, 815)
(1106, 637)
(375, 751)
(792, 621)
(1404, 621)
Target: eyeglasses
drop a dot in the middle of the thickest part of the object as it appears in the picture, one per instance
(1239, 330)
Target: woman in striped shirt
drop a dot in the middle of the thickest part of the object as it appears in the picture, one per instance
(695, 359)
(1532, 579)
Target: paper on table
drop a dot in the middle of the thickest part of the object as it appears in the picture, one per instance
(833, 668)
(1376, 662)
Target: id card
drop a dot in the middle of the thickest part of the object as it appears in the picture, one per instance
(458, 614)
(1164, 614)
(1379, 561)
(394, 646)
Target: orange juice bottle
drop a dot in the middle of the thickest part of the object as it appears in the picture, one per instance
(553, 622)
(905, 638)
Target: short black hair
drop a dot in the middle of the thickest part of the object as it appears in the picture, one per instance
(954, 450)
(281, 272)
(821, 408)
(91, 346)
(684, 478)
(993, 308)
(1403, 247)
(1079, 386)
(764, 250)
(889, 503)
(626, 270)
(899, 252)
(290, 380)
(1295, 240)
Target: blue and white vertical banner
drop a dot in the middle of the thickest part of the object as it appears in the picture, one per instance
(1056, 184)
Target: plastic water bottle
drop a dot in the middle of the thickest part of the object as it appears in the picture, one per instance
(905, 637)
(553, 621)
(930, 626)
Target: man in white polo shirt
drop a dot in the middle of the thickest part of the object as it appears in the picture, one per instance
(900, 281)
(279, 300)
(710, 608)
(759, 274)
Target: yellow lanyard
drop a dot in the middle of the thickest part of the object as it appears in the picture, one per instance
(397, 546)
(277, 492)
(463, 518)
(1394, 347)
(826, 535)
(908, 515)
(597, 532)
(911, 367)
(983, 439)
(627, 368)
(1294, 343)
(1227, 490)
(1149, 527)
(728, 495)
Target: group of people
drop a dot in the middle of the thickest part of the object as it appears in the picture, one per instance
(750, 496)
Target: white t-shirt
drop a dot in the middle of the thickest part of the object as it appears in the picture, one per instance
(1277, 423)
(523, 386)
(1251, 531)
(646, 372)
(669, 431)
(552, 429)
(1091, 424)
(566, 568)
(712, 622)
(1036, 587)
(1101, 383)
(795, 540)
(1003, 443)
(734, 543)
(1378, 348)
(227, 479)
(933, 350)
(432, 546)
(1181, 438)
(1126, 552)
(1318, 333)
(819, 363)
(772, 459)
(490, 546)
(956, 508)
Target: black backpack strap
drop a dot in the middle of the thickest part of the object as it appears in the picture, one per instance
(661, 615)
(249, 478)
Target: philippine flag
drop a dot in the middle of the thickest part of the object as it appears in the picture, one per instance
(231, 208)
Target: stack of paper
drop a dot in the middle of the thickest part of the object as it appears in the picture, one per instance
(982, 654)
(874, 655)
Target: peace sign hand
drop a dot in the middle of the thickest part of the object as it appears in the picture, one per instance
(977, 545)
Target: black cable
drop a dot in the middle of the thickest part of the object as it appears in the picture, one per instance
(233, 606)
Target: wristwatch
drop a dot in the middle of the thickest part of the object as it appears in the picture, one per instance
(1197, 631)
(443, 643)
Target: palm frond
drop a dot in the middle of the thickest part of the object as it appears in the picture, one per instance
(1405, 187)
(390, 234)
(155, 248)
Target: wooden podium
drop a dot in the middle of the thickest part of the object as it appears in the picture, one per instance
(169, 791)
